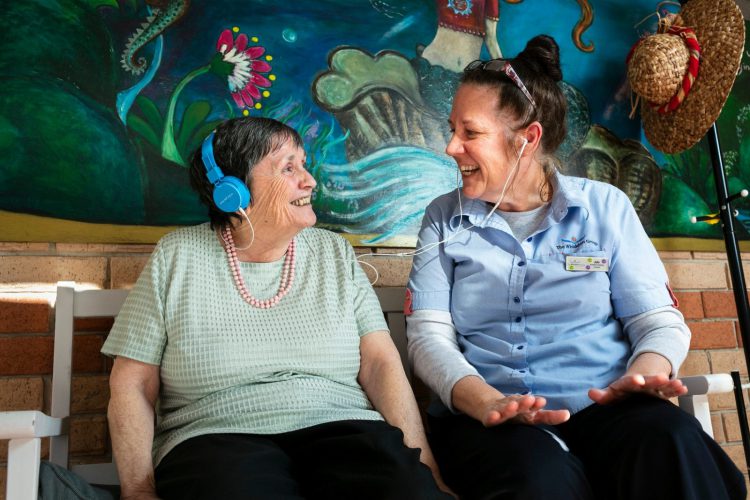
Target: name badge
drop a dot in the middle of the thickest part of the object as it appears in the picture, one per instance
(586, 263)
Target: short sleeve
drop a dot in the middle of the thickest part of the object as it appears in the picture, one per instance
(431, 275)
(638, 280)
(139, 331)
(367, 311)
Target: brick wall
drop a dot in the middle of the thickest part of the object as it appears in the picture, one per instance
(29, 271)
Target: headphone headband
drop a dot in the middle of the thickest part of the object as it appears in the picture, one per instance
(213, 171)
(230, 194)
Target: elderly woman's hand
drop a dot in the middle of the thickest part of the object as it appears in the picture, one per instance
(525, 409)
(658, 385)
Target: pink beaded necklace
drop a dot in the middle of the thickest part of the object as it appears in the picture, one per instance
(287, 274)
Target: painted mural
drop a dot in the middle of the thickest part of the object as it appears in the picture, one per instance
(104, 102)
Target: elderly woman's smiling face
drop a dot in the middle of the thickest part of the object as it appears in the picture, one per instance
(282, 188)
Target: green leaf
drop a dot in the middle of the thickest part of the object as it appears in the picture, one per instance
(139, 126)
(199, 134)
(150, 112)
(193, 116)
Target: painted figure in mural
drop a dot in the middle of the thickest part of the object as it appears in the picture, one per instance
(541, 315)
(299, 395)
(463, 26)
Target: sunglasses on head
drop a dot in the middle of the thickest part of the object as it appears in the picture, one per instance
(501, 66)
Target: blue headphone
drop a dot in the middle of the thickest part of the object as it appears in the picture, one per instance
(230, 193)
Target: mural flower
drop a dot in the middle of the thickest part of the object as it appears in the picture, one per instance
(242, 68)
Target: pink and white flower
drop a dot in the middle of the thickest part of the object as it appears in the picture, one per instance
(242, 68)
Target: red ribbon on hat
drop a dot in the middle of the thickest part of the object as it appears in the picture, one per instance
(694, 49)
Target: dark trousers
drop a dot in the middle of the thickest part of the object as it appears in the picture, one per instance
(640, 448)
(350, 459)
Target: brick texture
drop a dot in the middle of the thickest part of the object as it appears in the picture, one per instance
(86, 355)
(100, 248)
(93, 324)
(691, 304)
(21, 313)
(718, 425)
(719, 304)
(725, 401)
(696, 363)
(25, 355)
(392, 271)
(88, 435)
(24, 393)
(16, 247)
(17, 272)
(89, 394)
(732, 426)
(712, 335)
(125, 270)
(725, 361)
(696, 275)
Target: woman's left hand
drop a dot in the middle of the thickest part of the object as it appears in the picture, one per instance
(659, 386)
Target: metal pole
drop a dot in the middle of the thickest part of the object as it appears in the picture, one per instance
(730, 241)
(735, 271)
(739, 401)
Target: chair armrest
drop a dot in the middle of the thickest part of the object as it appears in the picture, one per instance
(695, 402)
(30, 424)
(708, 384)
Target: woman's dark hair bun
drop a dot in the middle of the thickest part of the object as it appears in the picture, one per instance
(542, 55)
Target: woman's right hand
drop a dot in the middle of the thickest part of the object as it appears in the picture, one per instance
(475, 397)
(526, 409)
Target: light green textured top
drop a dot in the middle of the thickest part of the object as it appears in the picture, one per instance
(227, 367)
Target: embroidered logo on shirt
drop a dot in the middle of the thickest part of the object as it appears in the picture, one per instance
(407, 303)
(575, 243)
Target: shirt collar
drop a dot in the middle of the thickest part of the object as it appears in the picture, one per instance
(567, 193)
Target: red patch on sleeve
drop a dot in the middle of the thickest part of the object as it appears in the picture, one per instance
(407, 303)
(675, 302)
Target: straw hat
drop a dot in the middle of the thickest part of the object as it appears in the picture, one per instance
(685, 75)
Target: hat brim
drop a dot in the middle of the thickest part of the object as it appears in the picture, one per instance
(720, 29)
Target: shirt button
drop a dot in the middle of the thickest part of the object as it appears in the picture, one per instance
(529, 238)
(521, 264)
(519, 347)
(521, 371)
(518, 319)
(516, 299)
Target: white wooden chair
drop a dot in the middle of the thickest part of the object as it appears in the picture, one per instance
(25, 429)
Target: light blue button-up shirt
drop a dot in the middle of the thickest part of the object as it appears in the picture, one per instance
(525, 322)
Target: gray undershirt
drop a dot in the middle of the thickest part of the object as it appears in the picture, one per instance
(524, 224)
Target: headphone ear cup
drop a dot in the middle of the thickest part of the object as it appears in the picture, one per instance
(231, 194)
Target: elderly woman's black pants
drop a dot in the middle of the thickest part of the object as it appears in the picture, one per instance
(346, 460)
(640, 448)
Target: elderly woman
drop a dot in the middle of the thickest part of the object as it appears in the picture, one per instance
(252, 358)
(542, 317)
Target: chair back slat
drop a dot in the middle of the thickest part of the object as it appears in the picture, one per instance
(70, 304)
